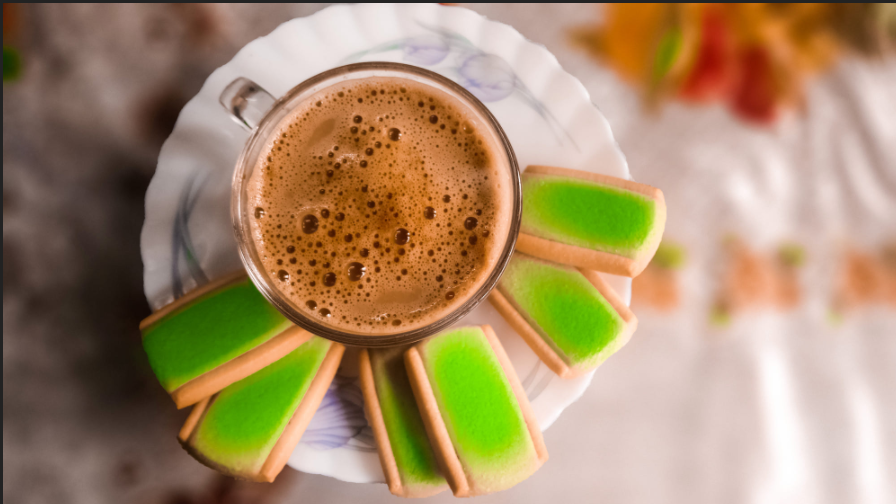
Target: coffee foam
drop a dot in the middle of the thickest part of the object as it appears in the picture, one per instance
(380, 205)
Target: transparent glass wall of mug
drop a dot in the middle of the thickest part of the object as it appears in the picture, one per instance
(255, 109)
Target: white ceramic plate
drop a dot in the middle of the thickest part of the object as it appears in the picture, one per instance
(187, 237)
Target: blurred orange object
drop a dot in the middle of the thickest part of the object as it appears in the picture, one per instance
(867, 279)
(629, 37)
(753, 57)
(657, 286)
(754, 281)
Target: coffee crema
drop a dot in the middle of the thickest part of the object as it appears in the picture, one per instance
(380, 205)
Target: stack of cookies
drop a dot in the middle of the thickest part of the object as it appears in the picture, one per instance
(447, 412)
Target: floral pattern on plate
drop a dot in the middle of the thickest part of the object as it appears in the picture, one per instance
(487, 76)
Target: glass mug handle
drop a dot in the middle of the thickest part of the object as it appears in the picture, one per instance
(246, 102)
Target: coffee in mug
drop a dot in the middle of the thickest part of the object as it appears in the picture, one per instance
(379, 205)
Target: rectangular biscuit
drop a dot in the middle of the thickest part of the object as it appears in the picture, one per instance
(250, 428)
(214, 336)
(476, 414)
(408, 460)
(588, 220)
(569, 317)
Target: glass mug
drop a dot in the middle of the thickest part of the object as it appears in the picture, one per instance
(256, 110)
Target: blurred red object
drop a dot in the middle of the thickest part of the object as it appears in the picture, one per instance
(755, 96)
(714, 67)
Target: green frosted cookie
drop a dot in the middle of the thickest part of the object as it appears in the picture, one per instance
(480, 420)
(408, 460)
(589, 220)
(572, 319)
(207, 331)
(250, 428)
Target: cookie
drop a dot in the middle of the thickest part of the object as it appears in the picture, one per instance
(215, 336)
(476, 413)
(406, 455)
(569, 317)
(591, 221)
(250, 428)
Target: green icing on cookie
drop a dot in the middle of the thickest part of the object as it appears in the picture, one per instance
(563, 306)
(246, 419)
(586, 214)
(410, 445)
(481, 412)
(210, 331)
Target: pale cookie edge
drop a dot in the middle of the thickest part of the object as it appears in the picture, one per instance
(186, 436)
(624, 311)
(193, 420)
(380, 433)
(609, 294)
(646, 253)
(572, 255)
(375, 418)
(532, 338)
(240, 367)
(446, 456)
(626, 184)
(291, 435)
(541, 450)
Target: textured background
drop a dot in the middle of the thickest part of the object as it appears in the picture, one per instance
(777, 406)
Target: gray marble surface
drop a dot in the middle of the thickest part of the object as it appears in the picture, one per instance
(778, 407)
